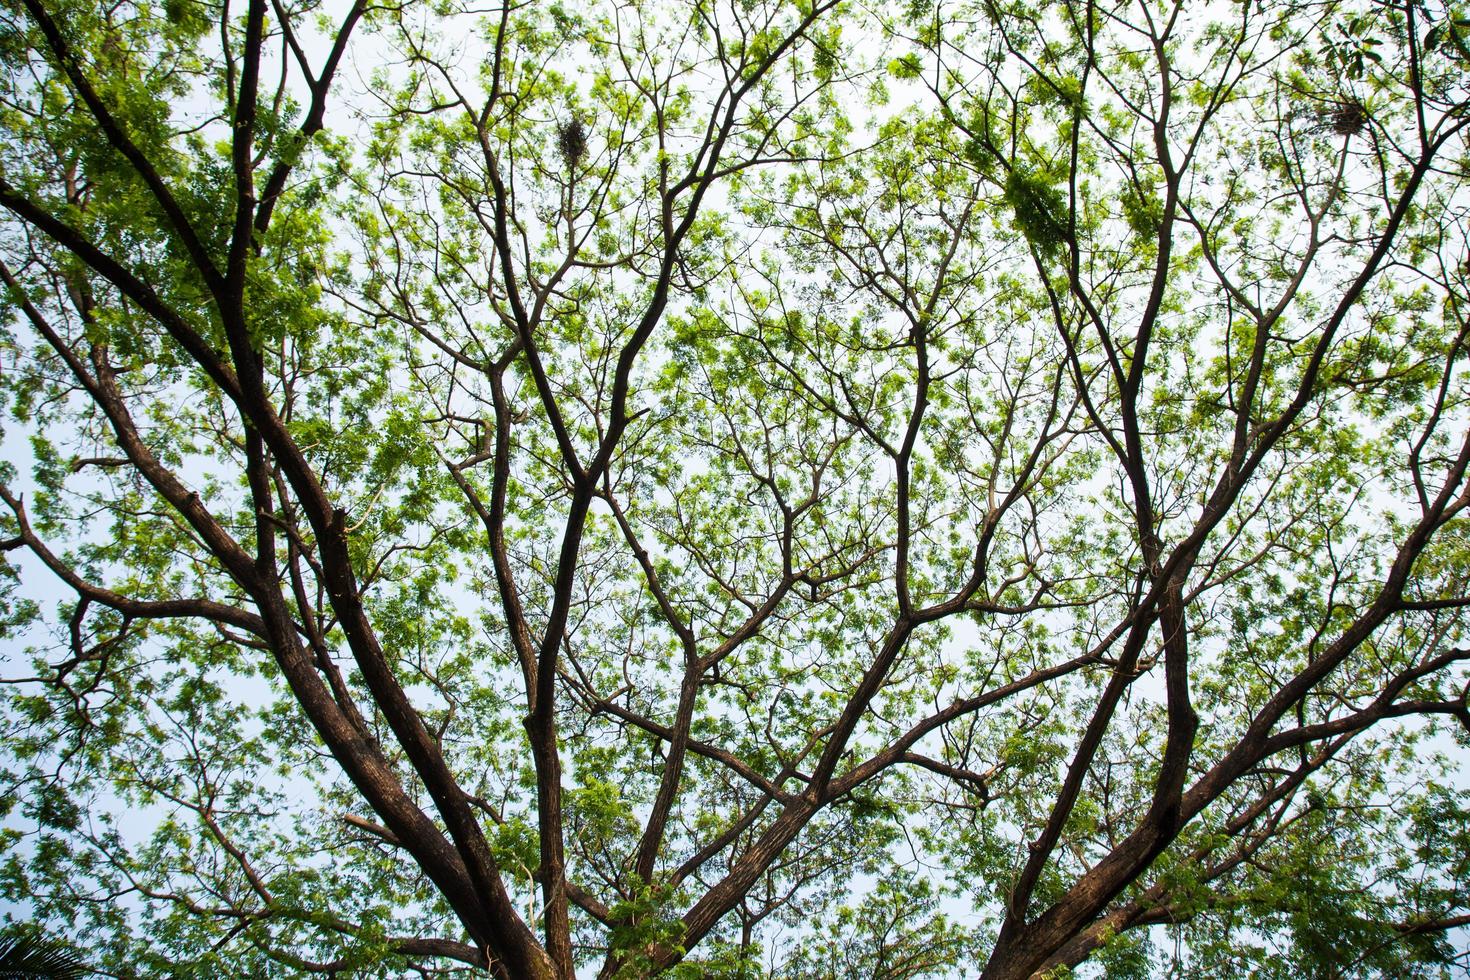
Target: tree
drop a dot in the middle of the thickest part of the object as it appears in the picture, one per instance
(724, 488)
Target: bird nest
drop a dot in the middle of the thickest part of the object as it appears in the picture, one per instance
(1348, 118)
(571, 140)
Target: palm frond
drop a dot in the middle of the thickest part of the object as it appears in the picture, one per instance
(38, 958)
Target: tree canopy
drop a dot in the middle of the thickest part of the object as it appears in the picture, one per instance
(736, 488)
